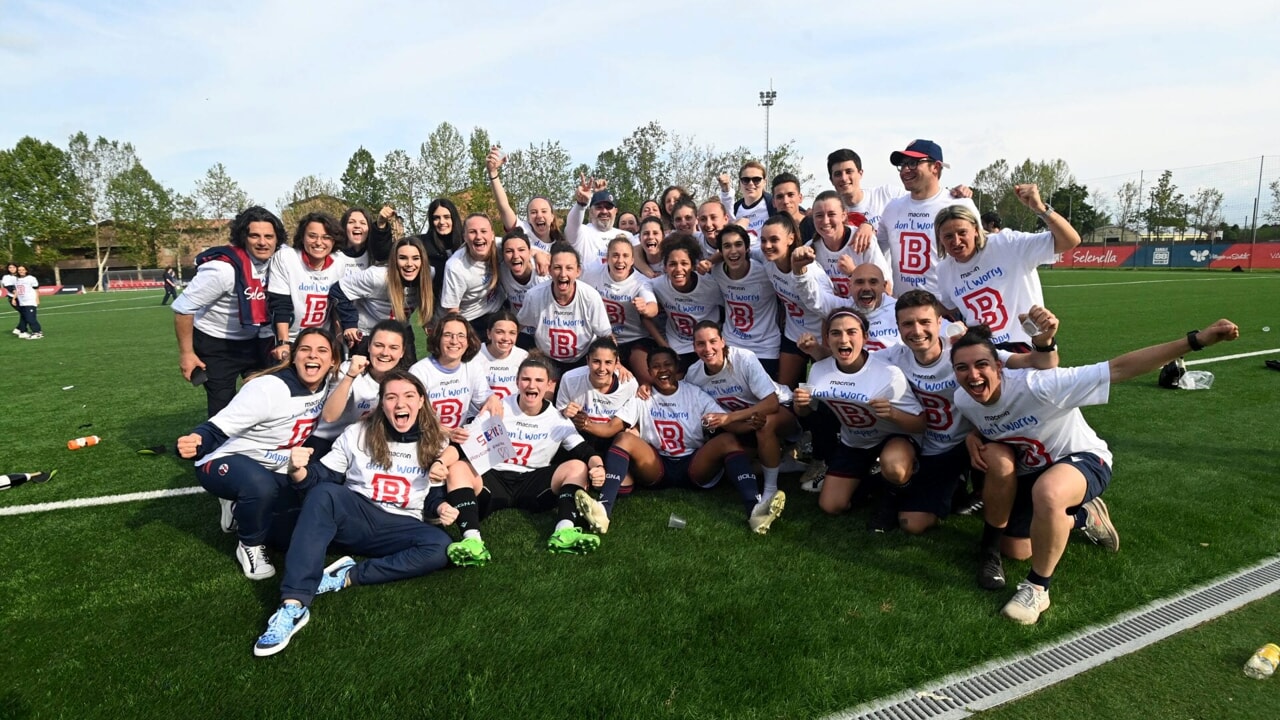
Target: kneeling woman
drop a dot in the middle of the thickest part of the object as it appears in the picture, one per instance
(370, 493)
(242, 451)
(531, 480)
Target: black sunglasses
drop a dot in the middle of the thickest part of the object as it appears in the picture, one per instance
(750, 180)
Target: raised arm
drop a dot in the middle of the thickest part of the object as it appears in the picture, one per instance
(1065, 237)
(1135, 363)
(493, 164)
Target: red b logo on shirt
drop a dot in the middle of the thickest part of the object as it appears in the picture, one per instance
(987, 307)
(916, 257)
(937, 411)
(390, 490)
(450, 412)
(741, 315)
(671, 434)
(617, 314)
(564, 343)
(301, 431)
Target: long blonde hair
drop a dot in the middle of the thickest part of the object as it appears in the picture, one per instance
(396, 286)
(377, 428)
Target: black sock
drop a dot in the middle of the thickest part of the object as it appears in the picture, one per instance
(566, 508)
(464, 499)
(991, 538)
(1040, 580)
(1081, 518)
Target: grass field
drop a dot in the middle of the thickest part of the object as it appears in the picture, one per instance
(138, 609)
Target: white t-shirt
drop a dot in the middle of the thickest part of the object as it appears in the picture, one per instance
(591, 242)
(308, 289)
(563, 332)
(456, 395)
(829, 260)
(686, 309)
(882, 325)
(619, 301)
(849, 396)
(751, 310)
(741, 383)
(270, 415)
(906, 233)
(368, 289)
(466, 286)
(872, 206)
(211, 298)
(673, 423)
(806, 300)
(516, 290)
(400, 489)
(535, 242)
(621, 402)
(998, 282)
(27, 290)
(502, 373)
(362, 400)
(1038, 413)
(535, 438)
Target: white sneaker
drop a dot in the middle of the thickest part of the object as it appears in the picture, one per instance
(36, 336)
(227, 519)
(254, 562)
(1026, 604)
(16, 331)
(765, 512)
(24, 336)
(812, 479)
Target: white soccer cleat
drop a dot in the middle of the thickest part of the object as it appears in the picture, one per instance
(765, 512)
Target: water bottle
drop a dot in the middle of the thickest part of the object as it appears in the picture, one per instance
(1263, 663)
(83, 442)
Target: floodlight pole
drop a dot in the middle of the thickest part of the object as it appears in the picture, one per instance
(766, 100)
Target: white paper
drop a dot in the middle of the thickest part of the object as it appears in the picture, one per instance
(488, 444)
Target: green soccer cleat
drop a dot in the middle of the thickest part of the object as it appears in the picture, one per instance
(469, 552)
(592, 511)
(572, 541)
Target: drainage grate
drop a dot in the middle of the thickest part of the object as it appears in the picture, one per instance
(961, 695)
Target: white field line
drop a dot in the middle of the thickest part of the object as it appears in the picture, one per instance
(95, 302)
(1152, 282)
(135, 308)
(1206, 361)
(104, 500)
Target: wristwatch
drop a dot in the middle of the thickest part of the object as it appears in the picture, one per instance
(1048, 210)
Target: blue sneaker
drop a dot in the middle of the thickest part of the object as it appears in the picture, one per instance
(335, 576)
(286, 621)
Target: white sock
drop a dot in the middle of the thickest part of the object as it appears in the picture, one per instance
(563, 524)
(471, 534)
(770, 481)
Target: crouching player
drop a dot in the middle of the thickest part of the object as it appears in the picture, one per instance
(944, 458)
(1062, 464)
(675, 451)
(877, 411)
(530, 480)
(370, 494)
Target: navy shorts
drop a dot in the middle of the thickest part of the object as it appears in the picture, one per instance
(675, 472)
(932, 486)
(1097, 476)
(787, 346)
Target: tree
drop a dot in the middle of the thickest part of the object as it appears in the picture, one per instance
(1273, 215)
(98, 165)
(1205, 211)
(308, 186)
(311, 193)
(1072, 201)
(406, 186)
(990, 185)
(143, 213)
(220, 197)
(1166, 207)
(479, 196)
(361, 184)
(993, 188)
(42, 203)
(1127, 201)
(444, 161)
(539, 171)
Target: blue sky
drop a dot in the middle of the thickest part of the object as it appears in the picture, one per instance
(277, 90)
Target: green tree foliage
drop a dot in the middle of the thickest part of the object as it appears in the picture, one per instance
(478, 194)
(1205, 211)
(1073, 202)
(220, 197)
(362, 185)
(143, 213)
(1128, 199)
(1273, 215)
(1166, 207)
(993, 189)
(405, 180)
(444, 159)
(97, 165)
(542, 170)
(42, 206)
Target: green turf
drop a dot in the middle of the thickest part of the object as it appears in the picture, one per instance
(139, 610)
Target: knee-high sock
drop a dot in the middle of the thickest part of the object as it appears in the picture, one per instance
(739, 468)
(464, 499)
(566, 508)
(616, 463)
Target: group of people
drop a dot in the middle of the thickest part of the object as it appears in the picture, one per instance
(23, 291)
(684, 344)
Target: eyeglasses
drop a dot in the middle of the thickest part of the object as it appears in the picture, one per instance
(750, 180)
(912, 163)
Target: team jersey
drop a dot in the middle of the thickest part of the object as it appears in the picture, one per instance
(872, 206)
(211, 298)
(755, 214)
(563, 332)
(308, 289)
(806, 300)
(906, 230)
(27, 290)
(400, 489)
(535, 438)
(687, 309)
(882, 324)
(356, 264)
(829, 260)
(619, 301)
(849, 396)
(368, 289)
(8, 282)
(363, 399)
(673, 423)
(466, 286)
(456, 395)
(516, 290)
(751, 310)
(619, 401)
(741, 383)
(998, 282)
(502, 373)
(591, 242)
(270, 415)
(535, 242)
(1038, 413)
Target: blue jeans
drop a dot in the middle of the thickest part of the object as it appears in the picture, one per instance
(398, 547)
(263, 498)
